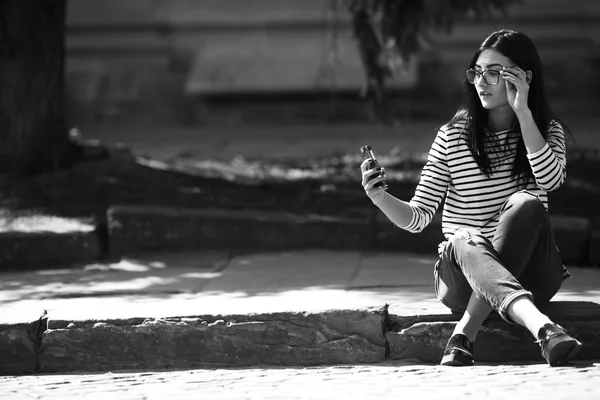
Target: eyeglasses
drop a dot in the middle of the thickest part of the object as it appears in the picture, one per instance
(490, 76)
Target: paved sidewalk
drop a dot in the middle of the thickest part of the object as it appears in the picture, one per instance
(173, 284)
(401, 380)
(183, 284)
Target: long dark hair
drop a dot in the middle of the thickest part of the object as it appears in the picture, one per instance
(519, 48)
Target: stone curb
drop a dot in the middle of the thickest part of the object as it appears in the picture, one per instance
(287, 338)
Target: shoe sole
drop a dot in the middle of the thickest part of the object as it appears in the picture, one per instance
(563, 352)
(451, 361)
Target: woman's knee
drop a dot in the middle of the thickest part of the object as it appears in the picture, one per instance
(467, 236)
(525, 202)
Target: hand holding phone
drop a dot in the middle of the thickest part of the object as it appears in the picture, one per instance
(366, 153)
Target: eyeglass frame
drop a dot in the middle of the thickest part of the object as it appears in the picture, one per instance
(480, 74)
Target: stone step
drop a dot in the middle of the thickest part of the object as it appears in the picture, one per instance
(332, 337)
(19, 345)
(287, 338)
(424, 337)
(133, 229)
(42, 242)
(136, 229)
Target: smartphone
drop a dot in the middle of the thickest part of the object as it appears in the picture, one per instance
(366, 153)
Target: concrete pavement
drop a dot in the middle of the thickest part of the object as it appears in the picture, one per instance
(194, 283)
(400, 379)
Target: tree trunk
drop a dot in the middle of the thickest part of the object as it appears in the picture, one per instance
(33, 130)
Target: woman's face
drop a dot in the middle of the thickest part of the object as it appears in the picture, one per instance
(492, 97)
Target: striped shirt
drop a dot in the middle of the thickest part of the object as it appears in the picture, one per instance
(472, 199)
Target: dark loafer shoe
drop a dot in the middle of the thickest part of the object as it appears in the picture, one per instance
(557, 346)
(458, 352)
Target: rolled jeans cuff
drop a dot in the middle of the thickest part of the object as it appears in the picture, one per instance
(503, 310)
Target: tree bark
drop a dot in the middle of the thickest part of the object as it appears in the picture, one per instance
(33, 129)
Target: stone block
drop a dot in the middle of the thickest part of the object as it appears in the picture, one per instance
(572, 238)
(40, 249)
(19, 344)
(424, 337)
(334, 337)
(133, 229)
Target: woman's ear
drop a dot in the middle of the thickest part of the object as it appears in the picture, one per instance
(528, 75)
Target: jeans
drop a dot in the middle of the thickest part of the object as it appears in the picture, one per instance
(521, 260)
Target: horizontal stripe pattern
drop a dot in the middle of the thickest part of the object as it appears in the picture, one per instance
(473, 200)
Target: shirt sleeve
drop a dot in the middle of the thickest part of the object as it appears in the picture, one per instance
(549, 164)
(435, 178)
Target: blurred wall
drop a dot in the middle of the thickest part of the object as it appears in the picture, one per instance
(195, 61)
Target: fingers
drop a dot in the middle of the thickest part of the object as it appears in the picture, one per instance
(372, 174)
(370, 184)
(365, 165)
(510, 87)
(512, 78)
(375, 193)
(516, 76)
(372, 179)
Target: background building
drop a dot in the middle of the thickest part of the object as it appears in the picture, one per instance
(241, 61)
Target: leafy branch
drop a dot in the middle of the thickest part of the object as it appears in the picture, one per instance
(389, 32)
